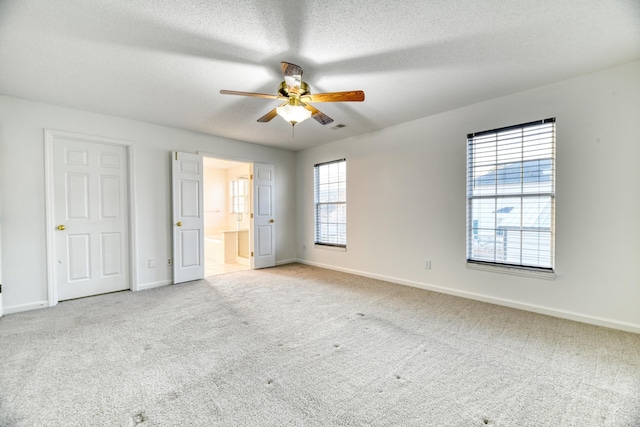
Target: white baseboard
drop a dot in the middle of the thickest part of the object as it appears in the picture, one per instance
(25, 307)
(151, 285)
(563, 314)
(286, 261)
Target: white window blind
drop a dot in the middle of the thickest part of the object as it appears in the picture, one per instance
(330, 199)
(511, 196)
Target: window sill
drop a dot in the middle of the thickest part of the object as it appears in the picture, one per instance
(545, 275)
(330, 248)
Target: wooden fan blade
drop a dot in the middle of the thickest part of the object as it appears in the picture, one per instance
(270, 115)
(289, 69)
(350, 96)
(267, 117)
(257, 95)
(318, 115)
(292, 76)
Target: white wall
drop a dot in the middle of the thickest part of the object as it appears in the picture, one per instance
(216, 200)
(22, 191)
(406, 200)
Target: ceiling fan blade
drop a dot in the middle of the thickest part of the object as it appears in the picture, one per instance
(257, 95)
(289, 69)
(267, 117)
(318, 115)
(270, 115)
(350, 96)
(292, 76)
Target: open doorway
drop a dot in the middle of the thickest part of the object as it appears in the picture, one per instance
(227, 215)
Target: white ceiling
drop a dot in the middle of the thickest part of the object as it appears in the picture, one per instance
(165, 61)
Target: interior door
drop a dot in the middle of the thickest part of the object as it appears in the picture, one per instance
(90, 212)
(264, 244)
(188, 217)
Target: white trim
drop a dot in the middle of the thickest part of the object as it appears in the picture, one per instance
(330, 247)
(151, 285)
(225, 157)
(286, 261)
(563, 314)
(25, 307)
(514, 271)
(133, 237)
(52, 289)
(49, 135)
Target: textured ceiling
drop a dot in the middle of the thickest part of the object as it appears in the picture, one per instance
(165, 61)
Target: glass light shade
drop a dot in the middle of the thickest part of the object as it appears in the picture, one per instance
(294, 114)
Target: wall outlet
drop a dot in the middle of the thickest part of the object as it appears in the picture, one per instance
(169, 261)
(427, 264)
(152, 263)
(304, 247)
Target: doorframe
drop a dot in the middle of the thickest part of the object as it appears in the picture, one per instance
(49, 136)
(239, 160)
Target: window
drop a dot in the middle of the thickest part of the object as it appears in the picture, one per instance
(511, 196)
(239, 192)
(330, 199)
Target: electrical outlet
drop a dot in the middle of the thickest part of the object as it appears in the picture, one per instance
(304, 247)
(152, 263)
(169, 261)
(427, 264)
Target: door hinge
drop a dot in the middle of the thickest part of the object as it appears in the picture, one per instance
(251, 253)
(176, 155)
(251, 176)
(252, 215)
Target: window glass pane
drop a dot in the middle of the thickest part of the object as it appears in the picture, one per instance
(510, 195)
(330, 203)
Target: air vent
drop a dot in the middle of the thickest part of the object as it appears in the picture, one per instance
(338, 126)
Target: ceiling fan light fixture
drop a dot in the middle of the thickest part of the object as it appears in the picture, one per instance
(293, 113)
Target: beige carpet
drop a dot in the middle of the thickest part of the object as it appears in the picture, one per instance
(301, 346)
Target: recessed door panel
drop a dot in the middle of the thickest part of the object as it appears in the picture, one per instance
(79, 253)
(77, 196)
(190, 248)
(109, 160)
(76, 157)
(109, 196)
(264, 200)
(110, 244)
(189, 167)
(189, 199)
(264, 239)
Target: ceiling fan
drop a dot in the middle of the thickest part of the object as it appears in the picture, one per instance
(297, 95)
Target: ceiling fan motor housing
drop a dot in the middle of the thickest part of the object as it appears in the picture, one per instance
(284, 89)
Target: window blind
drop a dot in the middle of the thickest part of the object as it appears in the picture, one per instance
(330, 200)
(511, 196)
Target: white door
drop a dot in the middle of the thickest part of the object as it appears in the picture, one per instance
(188, 217)
(90, 213)
(264, 244)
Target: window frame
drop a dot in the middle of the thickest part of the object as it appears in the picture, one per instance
(341, 240)
(473, 260)
(238, 194)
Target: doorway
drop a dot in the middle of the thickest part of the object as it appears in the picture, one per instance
(227, 195)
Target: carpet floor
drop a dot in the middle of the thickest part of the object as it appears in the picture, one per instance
(298, 345)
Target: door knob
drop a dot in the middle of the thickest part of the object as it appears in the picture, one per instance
(61, 227)
(179, 224)
(272, 220)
